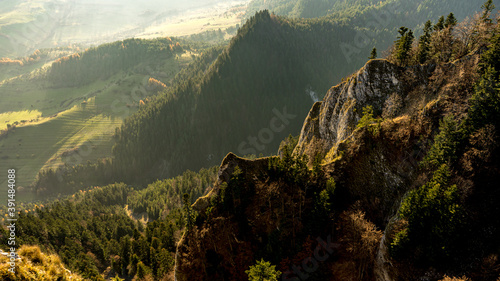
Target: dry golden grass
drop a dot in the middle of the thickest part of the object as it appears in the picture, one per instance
(35, 265)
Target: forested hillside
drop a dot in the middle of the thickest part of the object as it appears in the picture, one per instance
(114, 230)
(222, 108)
(73, 99)
(99, 63)
(394, 176)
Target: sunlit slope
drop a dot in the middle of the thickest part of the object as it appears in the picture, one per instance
(73, 137)
(67, 116)
(36, 265)
(22, 116)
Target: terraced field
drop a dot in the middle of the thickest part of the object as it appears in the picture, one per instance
(73, 137)
(57, 126)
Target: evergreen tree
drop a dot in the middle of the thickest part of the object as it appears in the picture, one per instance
(373, 54)
(451, 21)
(125, 253)
(433, 213)
(485, 103)
(188, 210)
(423, 43)
(440, 24)
(402, 32)
(446, 144)
(487, 7)
(142, 270)
(491, 58)
(404, 44)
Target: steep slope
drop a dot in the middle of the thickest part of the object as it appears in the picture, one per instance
(217, 107)
(269, 218)
(339, 113)
(321, 223)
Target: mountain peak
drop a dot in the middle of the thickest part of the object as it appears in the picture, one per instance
(333, 120)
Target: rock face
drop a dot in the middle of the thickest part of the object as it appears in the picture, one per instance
(371, 171)
(220, 245)
(335, 118)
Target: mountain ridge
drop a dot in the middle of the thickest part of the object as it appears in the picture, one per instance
(374, 168)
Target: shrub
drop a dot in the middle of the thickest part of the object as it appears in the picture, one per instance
(33, 253)
(362, 240)
(263, 271)
(367, 120)
(324, 199)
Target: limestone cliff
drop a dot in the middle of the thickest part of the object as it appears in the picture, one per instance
(379, 84)
(269, 209)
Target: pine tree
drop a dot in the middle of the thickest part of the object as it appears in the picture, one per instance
(487, 7)
(142, 270)
(423, 43)
(433, 213)
(491, 58)
(188, 211)
(485, 103)
(451, 21)
(402, 31)
(403, 45)
(124, 253)
(440, 24)
(373, 54)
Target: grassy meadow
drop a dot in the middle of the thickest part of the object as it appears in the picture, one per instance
(73, 137)
(57, 126)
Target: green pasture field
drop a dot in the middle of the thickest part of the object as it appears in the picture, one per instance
(68, 125)
(74, 137)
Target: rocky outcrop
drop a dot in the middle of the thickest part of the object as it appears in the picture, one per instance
(335, 118)
(218, 246)
(372, 171)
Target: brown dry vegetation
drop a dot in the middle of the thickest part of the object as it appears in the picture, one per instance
(36, 265)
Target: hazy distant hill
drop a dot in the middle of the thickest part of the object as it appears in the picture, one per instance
(29, 25)
(66, 112)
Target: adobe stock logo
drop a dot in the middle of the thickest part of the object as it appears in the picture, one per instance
(310, 264)
(266, 135)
